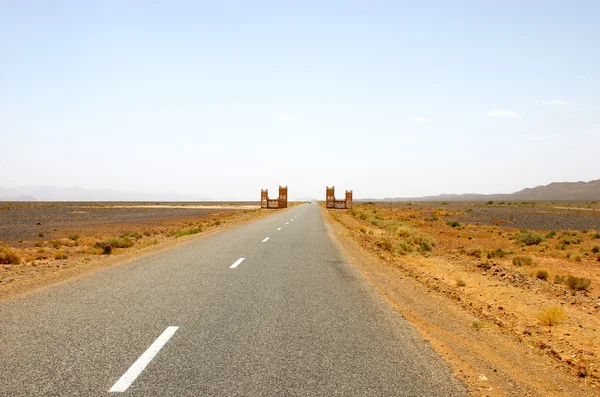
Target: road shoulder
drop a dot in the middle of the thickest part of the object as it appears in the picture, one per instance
(488, 361)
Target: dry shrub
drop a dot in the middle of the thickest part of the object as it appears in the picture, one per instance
(522, 261)
(578, 283)
(527, 237)
(460, 282)
(475, 251)
(60, 255)
(9, 257)
(542, 274)
(551, 315)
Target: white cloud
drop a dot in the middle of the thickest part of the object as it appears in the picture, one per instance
(289, 117)
(503, 114)
(418, 119)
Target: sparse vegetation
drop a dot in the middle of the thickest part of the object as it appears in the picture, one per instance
(542, 274)
(74, 237)
(526, 237)
(569, 237)
(578, 283)
(9, 257)
(41, 234)
(460, 282)
(109, 244)
(453, 223)
(522, 261)
(551, 316)
(186, 232)
(497, 253)
(60, 255)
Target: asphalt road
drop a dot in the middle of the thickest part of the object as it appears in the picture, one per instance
(293, 318)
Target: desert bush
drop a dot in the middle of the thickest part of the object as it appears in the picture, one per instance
(56, 243)
(186, 232)
(574, 256)
(596, 236)
(551, 234)
(60, 255)
(595, 248)
(109, 244)
(551, 315)
(460, 282)
(475, 251)
(9, 257)
(362, 229)
(559, 279)
(542, 274)
(362, 216)
(453, 224)
(404, 248)
(578, 283)
(489, 202)
(385, 244)
(74, 237)
(569, 237)
(497, 253)
(522, 261)
(41, 234)
(527, 237)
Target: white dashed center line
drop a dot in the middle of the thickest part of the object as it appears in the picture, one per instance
(278, 228)
(265, 240)
(142, 362)
(287, 223)
(236, 263)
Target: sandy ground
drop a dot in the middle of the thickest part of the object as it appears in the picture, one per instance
(486, 329)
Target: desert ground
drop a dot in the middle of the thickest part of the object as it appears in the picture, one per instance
(527, 273)
(46, 242)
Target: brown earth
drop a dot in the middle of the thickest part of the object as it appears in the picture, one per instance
(458, 284)
(45, 243)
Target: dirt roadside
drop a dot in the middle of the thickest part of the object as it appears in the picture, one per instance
(489, 361)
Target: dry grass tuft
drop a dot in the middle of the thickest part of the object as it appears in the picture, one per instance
(551, 315)
(578, 283)
(542, 274)
(9, 257)
(522, 261)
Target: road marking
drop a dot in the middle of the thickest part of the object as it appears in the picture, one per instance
(292, 219)
(237, 263)
(142, 362)
(287, 223)
(265, 240)
(278, 228)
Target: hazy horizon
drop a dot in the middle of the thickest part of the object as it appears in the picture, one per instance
(220, 100)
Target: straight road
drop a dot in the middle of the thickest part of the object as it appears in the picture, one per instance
(269, 308)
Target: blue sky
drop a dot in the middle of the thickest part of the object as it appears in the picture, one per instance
(220, 99)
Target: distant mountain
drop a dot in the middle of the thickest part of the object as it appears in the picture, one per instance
(556, 191)
(52, 193)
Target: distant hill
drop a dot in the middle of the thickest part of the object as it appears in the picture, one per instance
(52, 193)
(556, 191)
